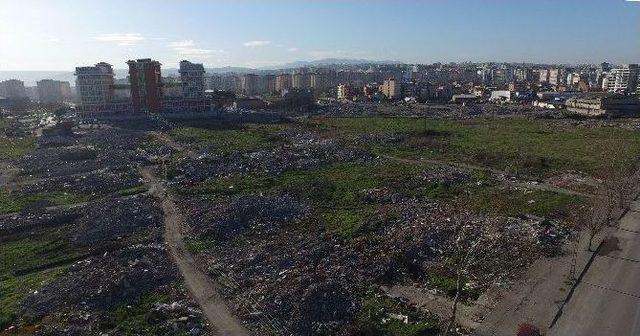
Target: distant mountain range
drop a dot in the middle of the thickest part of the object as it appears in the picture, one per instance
(31, 77)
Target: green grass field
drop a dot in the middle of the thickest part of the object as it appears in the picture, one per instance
(537, 148)
(14, 202)
(35, 253)
(227, 140)
(338, 193)
(15, 148)
(377, 308)
(521, 146)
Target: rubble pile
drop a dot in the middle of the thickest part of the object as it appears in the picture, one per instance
(86, 296)
(380, 137)
(106, 281)
(122, 217)
(283, 270)
(51, 141)
(176, 318)
(91, 150)
(12, 224)
(247, 214)
(99, 182)
(305, 152)
(431, 110)
(48, 162)
(446, 175)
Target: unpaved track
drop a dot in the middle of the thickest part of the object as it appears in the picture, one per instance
(203, 289)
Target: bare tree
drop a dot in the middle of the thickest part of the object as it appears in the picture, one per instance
(593, 218)
(482, 252)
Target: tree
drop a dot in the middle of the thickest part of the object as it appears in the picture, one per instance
(479, 252)
(594, 217)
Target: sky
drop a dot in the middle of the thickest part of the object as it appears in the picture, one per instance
(50, 35)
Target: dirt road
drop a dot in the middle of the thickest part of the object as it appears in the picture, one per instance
(203, 289)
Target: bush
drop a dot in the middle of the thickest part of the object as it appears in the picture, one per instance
(526, 329)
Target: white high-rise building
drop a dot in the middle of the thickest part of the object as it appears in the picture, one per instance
(622, 80)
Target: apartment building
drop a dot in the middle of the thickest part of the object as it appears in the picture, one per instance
(146, 85)
(95, 86)
(192, 80)
(249, 85)
(283, 82)
(12, 88)
(51, 91)
(622, 80)
(390, 88)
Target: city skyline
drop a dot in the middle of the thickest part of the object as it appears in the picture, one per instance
(59, 35)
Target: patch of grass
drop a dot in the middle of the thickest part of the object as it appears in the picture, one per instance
(33, 252)
(15, 148)
(508, 202)
(14, 289)
(197, 246)
(335, 190)
(29, 253)
(225, 140)
(131, 319)
(133, 190)
(448, 286)
(374, 318)
(346, 222)
(14, 202)
(338, 192)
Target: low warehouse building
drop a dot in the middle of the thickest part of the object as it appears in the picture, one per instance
(609, 105)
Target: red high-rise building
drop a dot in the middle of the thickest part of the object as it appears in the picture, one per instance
(146, 85)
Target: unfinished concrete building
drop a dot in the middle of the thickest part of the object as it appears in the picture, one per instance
(604, 105)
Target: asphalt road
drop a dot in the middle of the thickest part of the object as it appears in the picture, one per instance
(607, 301)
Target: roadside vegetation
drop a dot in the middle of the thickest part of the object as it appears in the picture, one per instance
(381, 315)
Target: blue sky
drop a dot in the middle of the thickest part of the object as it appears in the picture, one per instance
(58, 35)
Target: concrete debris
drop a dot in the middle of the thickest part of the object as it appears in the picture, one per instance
(126, 216)
(100, 283)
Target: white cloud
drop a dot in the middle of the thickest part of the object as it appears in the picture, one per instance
(292, 49)
(254, 44)
(53, 40)
(182, 44)
(187, 48)
(121, 39)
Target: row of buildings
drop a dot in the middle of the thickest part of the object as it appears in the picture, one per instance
(191, 88)
(145, 92)
(46, 91)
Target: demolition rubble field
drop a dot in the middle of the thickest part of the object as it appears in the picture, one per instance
(81, 248)
(303, 222)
